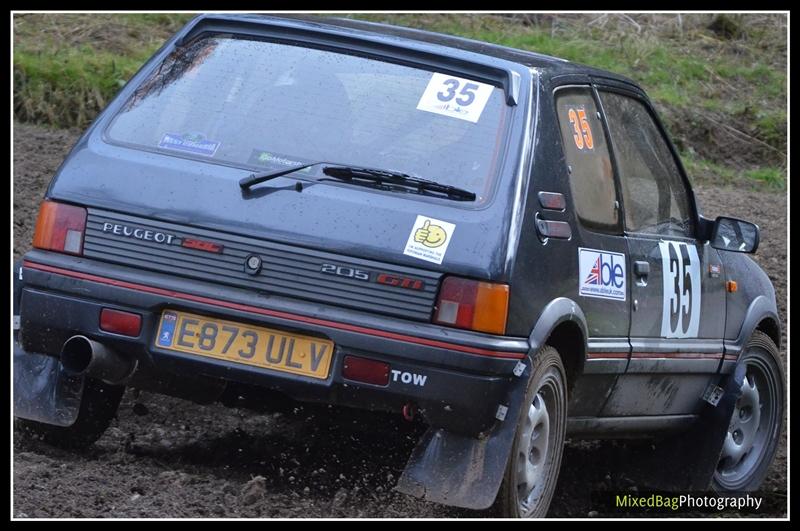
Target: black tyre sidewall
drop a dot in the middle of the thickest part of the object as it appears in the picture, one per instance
(762, 347)
(547, 362)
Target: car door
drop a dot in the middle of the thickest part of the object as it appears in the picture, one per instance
(677, 293)
(602, 288)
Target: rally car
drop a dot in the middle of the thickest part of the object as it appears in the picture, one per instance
(349, 213)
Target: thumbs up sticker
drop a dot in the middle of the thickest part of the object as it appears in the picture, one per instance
(430, 235)
(429, 239)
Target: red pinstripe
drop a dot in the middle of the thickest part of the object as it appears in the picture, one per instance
(272, 313)
(654, 355)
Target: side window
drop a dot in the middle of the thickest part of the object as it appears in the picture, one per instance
(654, 196)
(591, 177)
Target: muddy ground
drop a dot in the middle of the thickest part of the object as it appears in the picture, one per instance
(170, 458)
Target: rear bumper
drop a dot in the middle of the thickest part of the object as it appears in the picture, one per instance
(468, 375)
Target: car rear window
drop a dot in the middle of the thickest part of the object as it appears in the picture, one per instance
(267, 105)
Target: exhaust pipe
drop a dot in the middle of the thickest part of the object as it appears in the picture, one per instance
(80, 356)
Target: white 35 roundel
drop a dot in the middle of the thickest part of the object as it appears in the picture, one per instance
(680, 316)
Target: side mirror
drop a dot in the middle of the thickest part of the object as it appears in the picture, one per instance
(731, 234)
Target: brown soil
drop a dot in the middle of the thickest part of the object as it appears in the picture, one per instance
(172, 458)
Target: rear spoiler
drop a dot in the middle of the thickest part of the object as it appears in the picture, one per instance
(320, 35)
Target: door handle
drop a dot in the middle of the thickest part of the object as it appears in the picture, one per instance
(641, 269)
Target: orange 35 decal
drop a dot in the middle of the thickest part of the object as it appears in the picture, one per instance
(583, 131)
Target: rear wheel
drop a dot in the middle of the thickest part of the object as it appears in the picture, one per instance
(755, 426)
(532, 470)
(99, 404)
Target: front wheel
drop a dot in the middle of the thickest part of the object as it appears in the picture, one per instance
(755, 426)
(532, 470)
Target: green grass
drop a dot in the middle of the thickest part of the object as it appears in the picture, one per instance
(704, 171)
(68, 67)
(69, 88)
(771, 177)
(723, 98)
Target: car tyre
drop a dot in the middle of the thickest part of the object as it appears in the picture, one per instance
(755, 426)
(533, 466)
(98, 407)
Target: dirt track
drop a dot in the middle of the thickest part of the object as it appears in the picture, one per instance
(175, 459)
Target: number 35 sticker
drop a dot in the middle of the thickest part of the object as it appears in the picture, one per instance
(681, 267)
(455, 97)
(583, 131)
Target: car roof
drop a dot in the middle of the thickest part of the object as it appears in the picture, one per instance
(450, 45)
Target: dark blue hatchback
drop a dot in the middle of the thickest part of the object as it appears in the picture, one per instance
(340, 212)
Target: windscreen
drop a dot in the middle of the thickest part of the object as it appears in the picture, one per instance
(266, 106)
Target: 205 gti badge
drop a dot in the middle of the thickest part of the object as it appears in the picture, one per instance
(680, 316)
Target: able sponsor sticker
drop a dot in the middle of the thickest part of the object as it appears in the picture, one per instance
(456, 97)
(429, 239)
(601, 274)
(195, 143)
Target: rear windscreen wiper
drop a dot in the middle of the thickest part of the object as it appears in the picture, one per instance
(369, 175)
(394, 178)
(256, 178)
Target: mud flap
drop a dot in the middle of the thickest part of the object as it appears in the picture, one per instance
(42, 390)
(460, 470)
(694, 454)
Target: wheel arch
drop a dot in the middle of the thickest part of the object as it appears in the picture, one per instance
(562, 325)
(762, 315)
(771, 326)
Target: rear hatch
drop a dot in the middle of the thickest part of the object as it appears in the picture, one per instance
(160, 174)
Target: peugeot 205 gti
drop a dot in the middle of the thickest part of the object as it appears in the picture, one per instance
(348, 213)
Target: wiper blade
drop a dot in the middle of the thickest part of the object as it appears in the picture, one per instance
(381, 177)
(256, 178)
(371, 175)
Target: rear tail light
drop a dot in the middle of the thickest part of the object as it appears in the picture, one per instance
(60, 228)
(119, 322)
(471, 304)
(365, 370)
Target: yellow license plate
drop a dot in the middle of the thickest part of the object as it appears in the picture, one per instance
(251, 345)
